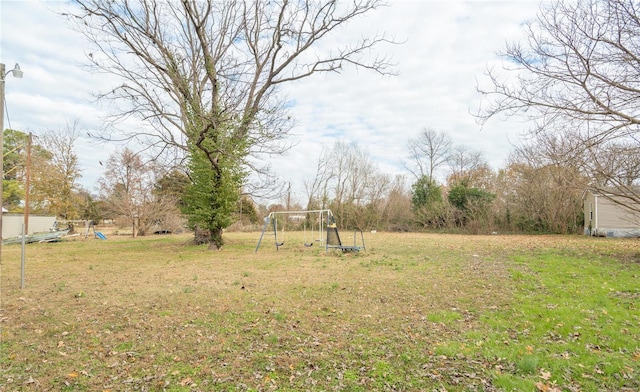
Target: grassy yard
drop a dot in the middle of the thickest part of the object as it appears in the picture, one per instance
(414, 312)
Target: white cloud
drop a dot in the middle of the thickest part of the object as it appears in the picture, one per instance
(448, 46)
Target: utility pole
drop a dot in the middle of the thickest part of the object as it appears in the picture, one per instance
(289, 197)
(2, 77)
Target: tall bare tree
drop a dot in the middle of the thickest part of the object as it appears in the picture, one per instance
(317, 189)
(463, 163)
(427, 153)
(576, 74)
(204, 75)
(348, 181)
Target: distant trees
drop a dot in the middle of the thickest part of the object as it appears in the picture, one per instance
(15, 157)
(129, 191)
(472, 207)
(348, 182)
(544, 188)
(54, 172)
(538, 191)
(172, 185)
(57, 182)
(464, 200)
(576, 77)
(397, 214)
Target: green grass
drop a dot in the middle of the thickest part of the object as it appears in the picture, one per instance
(413, 312)
(573, 323)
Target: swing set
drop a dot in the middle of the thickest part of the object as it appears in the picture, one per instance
(327, 230)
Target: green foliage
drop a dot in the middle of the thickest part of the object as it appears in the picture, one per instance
(247, 210)
(12, 193)
(173, 185)
(13, 164)
(464, 197)
(14, 153)
(426, 193)
(90, 209)
(213, 195)
(427, 203)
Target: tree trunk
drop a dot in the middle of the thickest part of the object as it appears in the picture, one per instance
(215, 240)
(211, 237)
(201, 236)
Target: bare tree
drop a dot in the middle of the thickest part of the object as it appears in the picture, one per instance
(349, 182)
(129, 186)
(316, 190)
(576, 74)
(618, 165)
(427, 153)
(397, 214)
(463, 162)
(203, 75)
(544, 191)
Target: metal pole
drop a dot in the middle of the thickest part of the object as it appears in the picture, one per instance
(27, 185)
(2, 77)
(22, 262)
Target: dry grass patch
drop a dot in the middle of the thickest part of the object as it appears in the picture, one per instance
(154, 314)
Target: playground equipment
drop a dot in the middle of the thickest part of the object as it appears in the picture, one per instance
(334, 241)
(307, 243)
(275, 233)
(330, 238)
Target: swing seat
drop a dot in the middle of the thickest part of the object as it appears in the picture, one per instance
(279, 243)
(308, 244)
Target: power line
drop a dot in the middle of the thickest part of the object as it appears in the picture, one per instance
(6, 110)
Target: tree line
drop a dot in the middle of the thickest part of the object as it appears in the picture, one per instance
(450, 188)
(528, 195)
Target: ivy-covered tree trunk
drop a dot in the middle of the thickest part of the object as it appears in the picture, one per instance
(212, 238)
(215, 239)
(212, 196)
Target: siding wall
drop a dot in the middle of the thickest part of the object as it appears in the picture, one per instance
(12, 224)
(612, 215)
(604, 217)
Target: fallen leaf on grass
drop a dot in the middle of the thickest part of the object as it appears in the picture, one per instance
(186, 381)
(547, 388)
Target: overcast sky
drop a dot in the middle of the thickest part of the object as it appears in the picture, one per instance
(449, 45)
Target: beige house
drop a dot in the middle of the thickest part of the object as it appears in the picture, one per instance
(605, 215)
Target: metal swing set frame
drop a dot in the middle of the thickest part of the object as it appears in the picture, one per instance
(327, 231)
